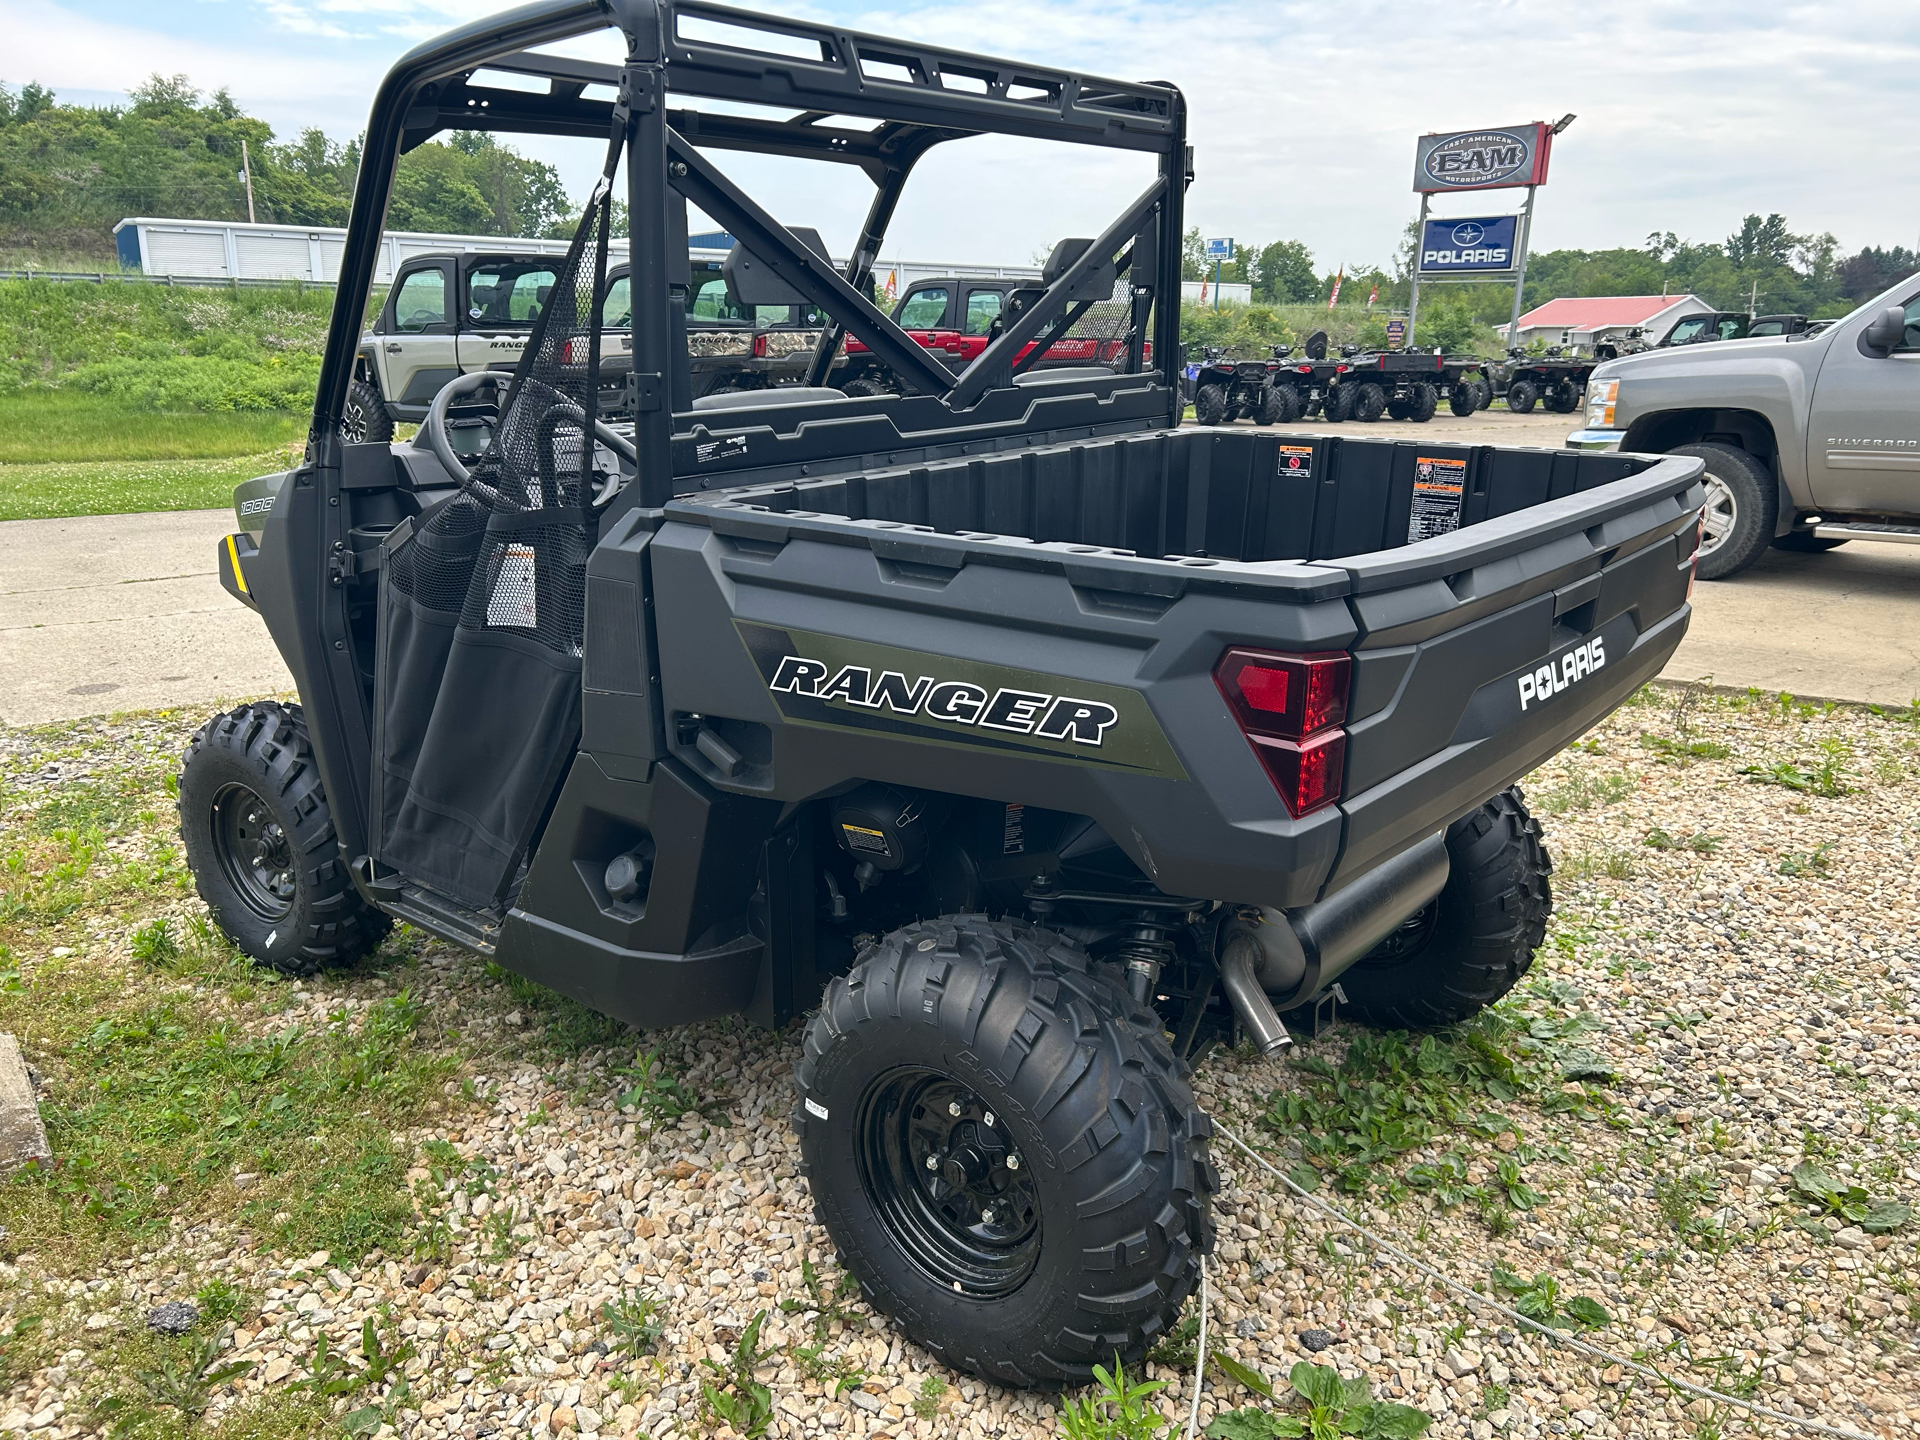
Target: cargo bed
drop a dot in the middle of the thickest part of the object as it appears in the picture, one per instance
(1130, 564)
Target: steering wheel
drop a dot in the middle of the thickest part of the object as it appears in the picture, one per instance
(434, 427)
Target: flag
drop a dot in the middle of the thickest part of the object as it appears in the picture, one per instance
(893, 284)
(1373, 294)
(1335, 296)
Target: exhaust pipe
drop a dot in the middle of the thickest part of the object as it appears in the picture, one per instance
(1250, 1004)
(1295, 954)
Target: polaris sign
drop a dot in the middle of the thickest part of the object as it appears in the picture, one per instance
(1483, 159)
(1467, 247)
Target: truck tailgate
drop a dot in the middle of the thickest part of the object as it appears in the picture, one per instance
(1123, 568)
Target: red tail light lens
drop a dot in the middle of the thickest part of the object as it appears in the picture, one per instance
(1290, 708)
(1308, 775)
(574, 352)
(760, 347)
(1289, 696)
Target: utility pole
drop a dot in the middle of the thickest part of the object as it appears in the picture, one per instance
(1520, 270)
(246, 174)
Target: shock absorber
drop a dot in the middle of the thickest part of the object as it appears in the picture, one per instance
(1148, 946)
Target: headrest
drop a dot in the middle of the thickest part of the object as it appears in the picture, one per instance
(751, 281)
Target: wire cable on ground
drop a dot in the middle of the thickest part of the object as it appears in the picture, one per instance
(1200, 1357)
(1333, 1212)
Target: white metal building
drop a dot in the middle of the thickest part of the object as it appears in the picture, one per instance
(226, 250)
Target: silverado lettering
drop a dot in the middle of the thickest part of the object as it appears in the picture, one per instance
(1024, 712)
(1574, 666)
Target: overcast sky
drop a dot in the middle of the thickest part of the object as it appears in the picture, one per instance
(1303, 114)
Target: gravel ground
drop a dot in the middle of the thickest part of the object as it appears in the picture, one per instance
(1742, 957)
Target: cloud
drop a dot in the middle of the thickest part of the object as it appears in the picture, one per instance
(1302, 115)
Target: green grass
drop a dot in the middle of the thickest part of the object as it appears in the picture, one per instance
(125, 487)
(40, 427)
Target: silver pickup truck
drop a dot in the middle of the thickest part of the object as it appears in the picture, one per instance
(1810, 440)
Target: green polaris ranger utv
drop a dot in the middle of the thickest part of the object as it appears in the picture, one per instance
(1022, 741)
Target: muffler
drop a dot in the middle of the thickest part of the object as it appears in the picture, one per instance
(1283, 957)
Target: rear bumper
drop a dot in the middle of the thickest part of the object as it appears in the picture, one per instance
(1595, 442)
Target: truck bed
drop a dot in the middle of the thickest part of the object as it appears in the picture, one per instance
(1123, 568)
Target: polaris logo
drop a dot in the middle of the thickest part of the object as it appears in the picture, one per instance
(1441, 259)
(1550, 679)
(954, 702)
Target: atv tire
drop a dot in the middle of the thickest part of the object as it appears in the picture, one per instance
(364, 419)
(1485, 387)
(864, 386)
(1370, 403)
(1743, 504)
(1476, 939)
(1521, 396)
(1338, 406)
(1564, 397)
(1463, 398)
(1067, 1206)
(1272, 409)
(1210, 405)
(1426, 400)
(260, 841)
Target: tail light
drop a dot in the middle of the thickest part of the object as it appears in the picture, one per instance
(574, 352)
(760, 346)
(1291, 709)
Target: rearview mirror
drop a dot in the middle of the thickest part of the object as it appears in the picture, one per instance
(1884, 332)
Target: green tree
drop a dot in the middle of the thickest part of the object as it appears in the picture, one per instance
(1284, 272)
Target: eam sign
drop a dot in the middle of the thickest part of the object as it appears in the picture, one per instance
(1483, 159)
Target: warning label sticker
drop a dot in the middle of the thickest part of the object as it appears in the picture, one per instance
(1439, 487)
(862, 840)
(1296, 460)
(726, 447)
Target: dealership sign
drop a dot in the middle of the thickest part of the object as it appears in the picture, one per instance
(1467, 247)
(1483, 159)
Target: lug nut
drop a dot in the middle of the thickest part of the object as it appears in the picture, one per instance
(1013, 1162)
(933, 1162)
(953, 1108)
(986, 1217)
(989, 1120)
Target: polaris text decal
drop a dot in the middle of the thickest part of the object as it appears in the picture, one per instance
(832, 681)
(1549, 680)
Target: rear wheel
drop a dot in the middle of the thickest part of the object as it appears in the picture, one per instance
(1398, 409)
(1485, 387)
(1476, 939)
(1005, 1151)
(1736, 525)
(1564, 397)
(1463, 397)
(1272, 409)
(1210, 405)
(1338, 406)
(260, 841)
(1426, 400)
(1521, 396)
(1370, 402)
(864, 386)
(364, 419)
(1287, 404)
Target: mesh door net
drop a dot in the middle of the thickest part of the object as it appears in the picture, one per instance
(477, 692)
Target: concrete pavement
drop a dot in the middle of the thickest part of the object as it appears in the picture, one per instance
(123, 612)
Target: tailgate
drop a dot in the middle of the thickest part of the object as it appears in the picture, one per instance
(1484, 652)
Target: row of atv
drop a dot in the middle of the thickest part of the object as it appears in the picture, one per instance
(1367, 386)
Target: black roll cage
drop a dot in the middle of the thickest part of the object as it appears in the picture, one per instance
(922, 96)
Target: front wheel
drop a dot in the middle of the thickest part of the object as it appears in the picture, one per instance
(1476, 939)
(1521, 396)
(1210, 405)
(1743, 503)
(1005, 1151)
(259, 839)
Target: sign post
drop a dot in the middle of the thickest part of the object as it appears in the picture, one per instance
(1219, 251)
(1488, 247)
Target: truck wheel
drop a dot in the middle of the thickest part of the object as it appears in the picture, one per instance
(1210, 405)
(1474, 942)
(1338, 406)
(1005, 1151)
(260, 842)
(1370, 403)
(364, 420)
(1520, 397)
(1463, 397)
(1426, 400)
(1742, 505)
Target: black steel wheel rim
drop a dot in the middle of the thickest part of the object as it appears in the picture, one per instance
(951, 1188)
(1408, 939)
(255, 855)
